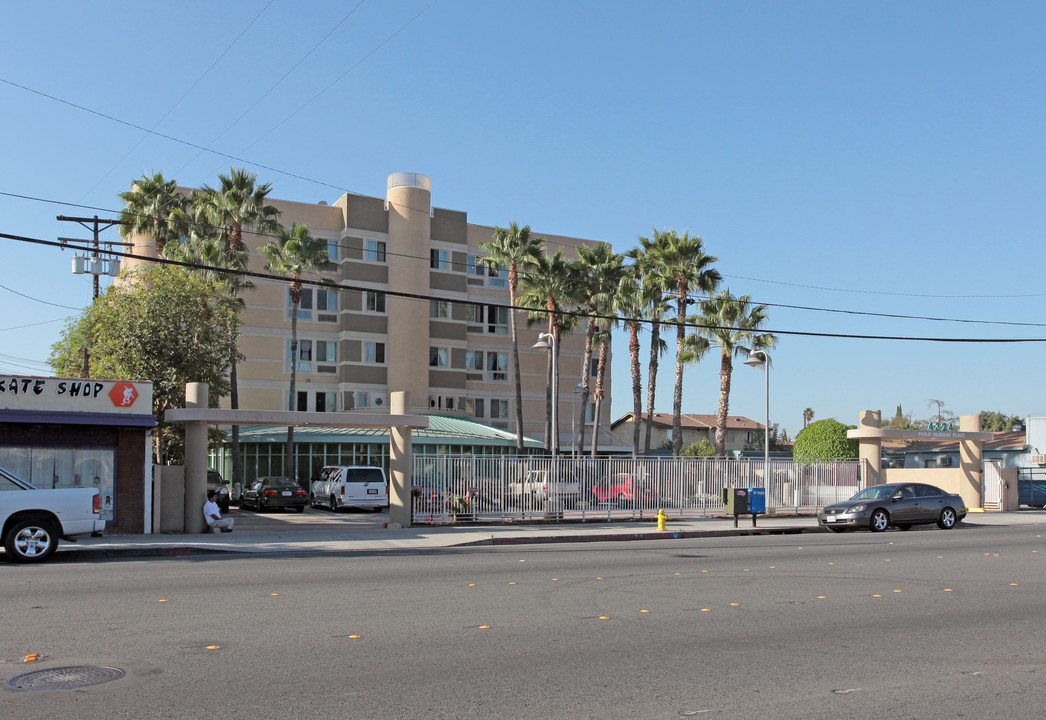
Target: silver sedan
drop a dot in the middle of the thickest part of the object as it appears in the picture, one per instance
(898, 504)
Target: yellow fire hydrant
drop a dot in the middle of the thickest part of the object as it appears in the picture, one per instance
(661, 518)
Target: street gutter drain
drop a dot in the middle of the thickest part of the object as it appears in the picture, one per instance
(65, 678)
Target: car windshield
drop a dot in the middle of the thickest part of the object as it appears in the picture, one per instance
(879, 492)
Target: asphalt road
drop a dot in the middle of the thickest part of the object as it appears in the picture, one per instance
(919, 624)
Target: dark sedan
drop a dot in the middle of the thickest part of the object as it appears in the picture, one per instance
(274, 493)
(898, 504)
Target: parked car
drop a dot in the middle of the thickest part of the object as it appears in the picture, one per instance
(216, 483)
(898, 504)
(358, 486)
(623, 488)
(274, 493)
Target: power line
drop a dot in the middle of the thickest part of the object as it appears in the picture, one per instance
(324, 284)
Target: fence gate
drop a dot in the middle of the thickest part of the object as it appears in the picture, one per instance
(991, 485)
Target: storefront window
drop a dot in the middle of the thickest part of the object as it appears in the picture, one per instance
(66, 468)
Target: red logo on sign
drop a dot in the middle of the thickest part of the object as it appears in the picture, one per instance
(123, 394)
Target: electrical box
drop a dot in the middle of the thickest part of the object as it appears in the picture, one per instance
(757, 500)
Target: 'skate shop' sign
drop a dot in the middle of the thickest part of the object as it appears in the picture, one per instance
(75, 395)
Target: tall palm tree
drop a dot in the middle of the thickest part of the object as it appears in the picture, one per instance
(631, 304)
(517, 250)
(293, 254)
(732, 324)
(237, 205)
(550, 285)
(602, 338)
(681, 263)
(599, 270)
(808, 415)
(655, 298)
(151, 208)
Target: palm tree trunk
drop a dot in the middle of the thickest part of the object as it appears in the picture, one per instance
(288, 460)
(604, 349)
(234, 401)
(655, 340)
(677, 393)
(515, 368)
(586, 373)
(726, 368)
(548, 396)
(637, 386)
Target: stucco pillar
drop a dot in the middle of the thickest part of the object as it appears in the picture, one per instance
(971, 462)
(196, 396)
(399, 464)
(871, 449)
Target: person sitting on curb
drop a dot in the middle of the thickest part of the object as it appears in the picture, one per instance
(213, 517)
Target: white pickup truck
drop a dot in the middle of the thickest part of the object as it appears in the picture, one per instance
(34, 519)
(537, 486)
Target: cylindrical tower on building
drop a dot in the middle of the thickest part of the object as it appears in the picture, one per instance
(409, 203)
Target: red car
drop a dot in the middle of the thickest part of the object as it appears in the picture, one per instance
(622, 488)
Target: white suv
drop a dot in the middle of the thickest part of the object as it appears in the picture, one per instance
(351, 486)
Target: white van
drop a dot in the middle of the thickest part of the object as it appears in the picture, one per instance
(356, 486)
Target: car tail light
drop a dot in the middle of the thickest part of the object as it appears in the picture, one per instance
(300, 492)
(270, 493)
(342, 489)
(96, 504)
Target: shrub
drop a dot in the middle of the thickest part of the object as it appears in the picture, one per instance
(825, 440)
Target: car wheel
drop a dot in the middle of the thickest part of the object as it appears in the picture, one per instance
(947, 519)
(834, 529)
(31, 541)
(300, 508)
(880, 521)
(334, 504)
(904, 526)
(376, 508)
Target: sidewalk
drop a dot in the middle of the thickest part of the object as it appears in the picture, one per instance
(298, 537)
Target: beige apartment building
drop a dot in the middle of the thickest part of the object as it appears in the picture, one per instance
(447, 343)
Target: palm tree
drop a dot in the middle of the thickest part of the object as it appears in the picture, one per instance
(654, 297)
(598, 271)
(237, 205)
(293, 254)
(516, 250)
(733, 325)
(681, 263)
(603, 339)
(808, 415)
(631, 304)
(550, 285)
(151, 208)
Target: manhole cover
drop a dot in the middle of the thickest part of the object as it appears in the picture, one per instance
(65, 678)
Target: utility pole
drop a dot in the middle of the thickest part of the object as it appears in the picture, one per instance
(96, 226)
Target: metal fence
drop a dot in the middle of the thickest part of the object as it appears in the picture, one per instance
(512, 489)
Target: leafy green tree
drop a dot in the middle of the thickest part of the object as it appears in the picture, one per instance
(825, 440)
(992, 421)
(516, 250)
(903, 421)
(293, 254)
(732, 324)
(701, 448)
(164, 324)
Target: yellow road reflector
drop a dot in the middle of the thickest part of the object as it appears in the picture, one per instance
(1013, 584)
(603, 617)
(555, 579)
(821, 597)
(948, 590)
(31, 657)
(773, 567)
(472, 584)
(704, 571)
(213, 647)
(897, 591)
(677, 573)
(735, 604)
(831, 563)
(599, 578)
(274, 594)
(484, 627)
(644, 611)
(512, 583)
(706, 609)
(747, 570)
(162, 600)
(876, 595)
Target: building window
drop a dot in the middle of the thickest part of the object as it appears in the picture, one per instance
(326, 402)
(497, 366)
(475, 267)
(304, 355)
(439, 357)
(374, 301)
(439, 259)
(301, 404)
(474, 360)
(324, 301)
(497, 320)
(474, 313)
(439, 309)
(497, 278)
(374, 250)
(326, 351)
(332, 249)
(361, 399)
(498, 409)
(374, 352)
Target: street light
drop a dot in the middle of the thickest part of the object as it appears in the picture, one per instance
(579, 389)
(547, 341)
(765, 362)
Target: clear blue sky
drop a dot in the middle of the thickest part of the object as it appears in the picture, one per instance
(855, 157)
